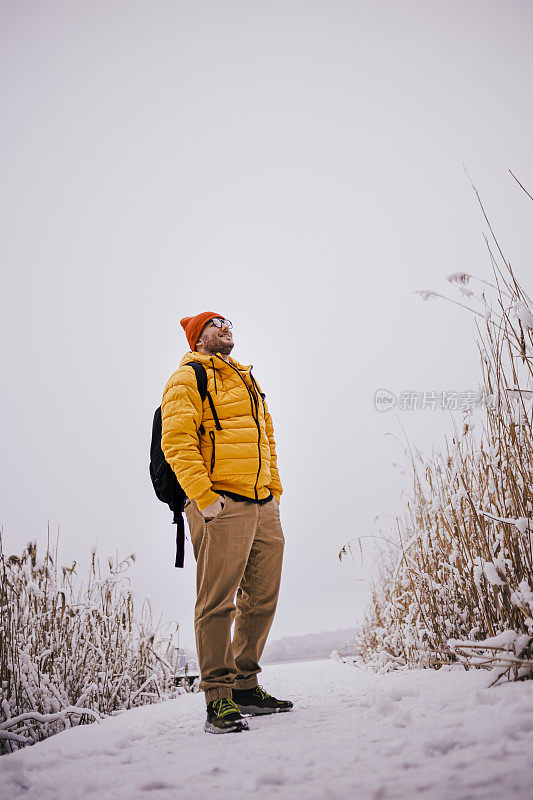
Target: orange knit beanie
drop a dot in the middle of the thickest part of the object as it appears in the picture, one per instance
(193, 326)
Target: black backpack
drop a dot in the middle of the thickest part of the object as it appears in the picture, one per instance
(164, 480)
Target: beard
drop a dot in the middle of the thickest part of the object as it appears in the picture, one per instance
(224, 348)
(216, 345)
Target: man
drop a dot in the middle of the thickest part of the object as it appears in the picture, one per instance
(224, 456)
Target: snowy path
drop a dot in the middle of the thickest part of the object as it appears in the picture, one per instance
(436, 735)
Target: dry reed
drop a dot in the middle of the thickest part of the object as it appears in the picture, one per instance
(72, 654)
(455, 581)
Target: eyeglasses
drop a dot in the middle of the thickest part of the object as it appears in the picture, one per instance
(220, 323)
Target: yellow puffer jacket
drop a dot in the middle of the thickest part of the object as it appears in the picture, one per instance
(241, 457)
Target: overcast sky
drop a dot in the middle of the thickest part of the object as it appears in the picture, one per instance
(297, 166)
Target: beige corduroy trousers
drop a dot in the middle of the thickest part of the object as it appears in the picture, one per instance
(240, 553)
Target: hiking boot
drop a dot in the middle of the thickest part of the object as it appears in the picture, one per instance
(223, 716)
(257, 701)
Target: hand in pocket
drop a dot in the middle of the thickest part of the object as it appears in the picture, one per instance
(214, 510)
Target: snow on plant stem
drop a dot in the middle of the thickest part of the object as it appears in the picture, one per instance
(72, 654)
(457, 583)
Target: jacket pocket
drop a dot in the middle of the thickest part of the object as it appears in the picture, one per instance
(212, 437)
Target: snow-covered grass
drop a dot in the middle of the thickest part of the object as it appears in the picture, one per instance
(352, 734)
(70, 653)
(456, 576)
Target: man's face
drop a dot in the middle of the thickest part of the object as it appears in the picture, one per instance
(215, 340)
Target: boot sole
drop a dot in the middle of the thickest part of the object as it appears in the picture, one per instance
(256, 711)
(235, 728)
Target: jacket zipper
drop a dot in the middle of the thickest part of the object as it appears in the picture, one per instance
(212, 437)
(256, 420)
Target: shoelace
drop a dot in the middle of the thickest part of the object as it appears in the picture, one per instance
(262, 694)
(225, 706)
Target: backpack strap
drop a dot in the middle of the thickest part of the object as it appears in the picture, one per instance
(180, 538)
(201, 381)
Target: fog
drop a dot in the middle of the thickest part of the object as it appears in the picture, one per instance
(298, 167)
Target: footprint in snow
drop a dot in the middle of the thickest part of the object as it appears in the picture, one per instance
(271, 778)
(151, 785)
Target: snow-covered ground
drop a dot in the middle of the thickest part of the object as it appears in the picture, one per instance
(439, 735)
